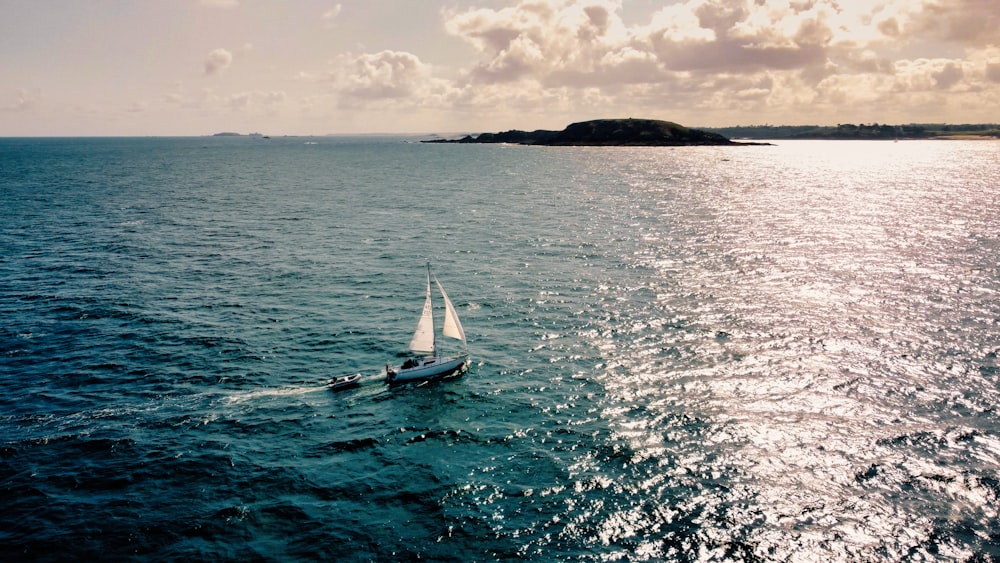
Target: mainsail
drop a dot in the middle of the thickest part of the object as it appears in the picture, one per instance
(423, 338)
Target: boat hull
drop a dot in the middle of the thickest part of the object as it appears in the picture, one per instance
(427, 368)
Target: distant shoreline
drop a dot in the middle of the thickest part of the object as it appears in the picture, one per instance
(964, 138)
(873, 131)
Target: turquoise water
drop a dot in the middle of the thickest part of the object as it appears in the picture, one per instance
(743, 353)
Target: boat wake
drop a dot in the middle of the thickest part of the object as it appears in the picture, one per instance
(245, 397)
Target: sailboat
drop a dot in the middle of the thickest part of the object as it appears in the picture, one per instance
(432, 364)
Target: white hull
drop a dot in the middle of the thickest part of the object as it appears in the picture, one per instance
(428, 367)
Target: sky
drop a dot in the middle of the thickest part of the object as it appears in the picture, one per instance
(309, 67)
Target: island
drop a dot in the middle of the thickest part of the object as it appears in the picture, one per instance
(234, 134)
(605, 133)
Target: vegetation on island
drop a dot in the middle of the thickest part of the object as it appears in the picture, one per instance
(861, 131)
(604, 132)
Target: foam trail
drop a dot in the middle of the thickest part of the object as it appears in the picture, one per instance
(238, 398)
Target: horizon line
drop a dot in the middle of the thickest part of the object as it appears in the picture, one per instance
(440, 134)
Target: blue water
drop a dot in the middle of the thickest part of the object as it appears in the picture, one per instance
(783, 353)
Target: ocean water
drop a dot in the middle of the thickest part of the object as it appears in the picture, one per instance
(783, 353)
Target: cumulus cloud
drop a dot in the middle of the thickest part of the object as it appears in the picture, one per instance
(928, 74)
(969, 22)
(789, 61)
(541, 38)
(387, 74)
(217, 61)
(736, 55)
(948, 76)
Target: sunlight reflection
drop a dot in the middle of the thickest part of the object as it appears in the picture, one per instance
(796, 339)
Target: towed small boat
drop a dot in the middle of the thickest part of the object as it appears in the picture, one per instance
(433, 365)
(344, 382)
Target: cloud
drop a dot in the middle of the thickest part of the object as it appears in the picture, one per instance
(731, 56)
(749, 37)
(26, 99)
(922, 75)
(329, 17)
(217, 61)
(948, 76)
(553, 41)
(969, 22)
(700, 62)
(250, 101)
(386, 74)
(221, 3)
(208, 100)
(239, 101)
(539, 38)
(993, 72)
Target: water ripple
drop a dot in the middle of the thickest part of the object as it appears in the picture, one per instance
(757, 354)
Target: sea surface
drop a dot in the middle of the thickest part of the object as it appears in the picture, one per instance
(759, 353)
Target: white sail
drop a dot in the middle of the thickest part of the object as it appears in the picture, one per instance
(452, 326)
(423, 338)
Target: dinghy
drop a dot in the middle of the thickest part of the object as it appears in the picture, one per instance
(344, 382)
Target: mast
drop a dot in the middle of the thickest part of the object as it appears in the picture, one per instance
(433, 332)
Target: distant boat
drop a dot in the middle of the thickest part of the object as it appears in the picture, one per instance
(431, 365)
